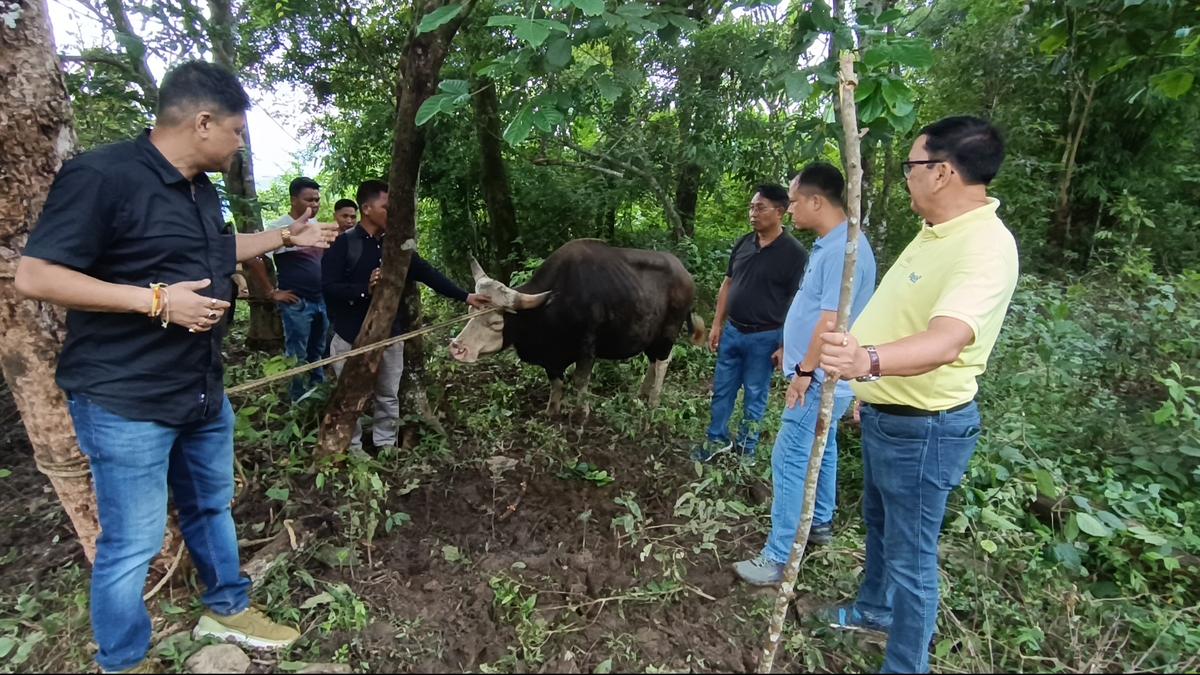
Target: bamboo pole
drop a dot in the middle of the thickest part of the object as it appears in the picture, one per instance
(853, 160)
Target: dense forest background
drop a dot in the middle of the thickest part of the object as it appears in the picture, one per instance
(1074, 543)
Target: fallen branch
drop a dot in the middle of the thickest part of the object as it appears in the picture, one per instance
(292, 538)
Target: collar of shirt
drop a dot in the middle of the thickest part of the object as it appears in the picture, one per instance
(165, 170)
(833, 235)
(962, 222)
(362, 232)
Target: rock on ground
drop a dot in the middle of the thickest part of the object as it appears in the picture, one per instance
(326, 668)
(224, 658)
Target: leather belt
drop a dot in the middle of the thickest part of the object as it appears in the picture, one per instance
(909, 411)
(749, 328)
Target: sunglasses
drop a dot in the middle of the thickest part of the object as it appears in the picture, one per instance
(908, 165)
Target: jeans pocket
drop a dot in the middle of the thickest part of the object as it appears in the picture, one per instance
(898, 427)
(954, 452)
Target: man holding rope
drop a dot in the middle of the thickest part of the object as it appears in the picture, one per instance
(349, 272)
(915, 353)
(133, 242)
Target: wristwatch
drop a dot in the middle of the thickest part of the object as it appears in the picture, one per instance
(874, 373)
(286, 234)
(803, 373)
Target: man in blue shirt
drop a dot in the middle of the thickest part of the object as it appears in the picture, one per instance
(815, 202)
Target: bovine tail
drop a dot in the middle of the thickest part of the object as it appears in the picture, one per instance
(695, 324)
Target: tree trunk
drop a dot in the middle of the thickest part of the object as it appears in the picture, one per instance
(1060, 231)
(413, 395)
(265, 331)
(138, 66)
(36, 134)
(687, 195)
(419, 69)
(497, 193)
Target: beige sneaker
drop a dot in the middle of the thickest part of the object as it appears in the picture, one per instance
(249, 628)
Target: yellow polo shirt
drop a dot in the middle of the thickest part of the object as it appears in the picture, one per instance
(964, 268)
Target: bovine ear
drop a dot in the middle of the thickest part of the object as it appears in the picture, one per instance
(527, 301)
(476, 270)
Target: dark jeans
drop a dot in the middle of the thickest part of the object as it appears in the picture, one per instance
(910, 465)
(743, 362)
(304, 326)
(133, 464)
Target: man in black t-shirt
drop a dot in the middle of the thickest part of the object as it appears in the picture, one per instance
(132, 241)
(765, 268)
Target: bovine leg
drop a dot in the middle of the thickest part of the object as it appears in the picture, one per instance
(581, 379)
(660, 374)
(556, 391)
(648, 380)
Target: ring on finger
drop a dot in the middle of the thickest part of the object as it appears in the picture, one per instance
(212, 315)
(845, 339)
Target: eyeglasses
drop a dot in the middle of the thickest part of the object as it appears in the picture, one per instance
(759, 208)
(908, 165)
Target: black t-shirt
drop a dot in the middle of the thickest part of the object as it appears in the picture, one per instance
(346, 271)
(123, 214)
(763, 280)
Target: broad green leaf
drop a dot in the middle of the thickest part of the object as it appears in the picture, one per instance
(590, 7)
(866, 87)
(1056, 38)
(604, 667)
(1089, 524)
(993, 519)
(897, 96)
(558, 53)
(912, 53)
(1133, 3)
(634, 9)
(520, 126)
(5, 473)
(456, 87)
(1173, 83)
(890, 16)
(278, 493)
(988, 545)
(1111, 520)
(451, 553)
(541, 123)
(871, 109)
(1045, 484)
(132, 44)
(323, 598)
(532, 32)
(552, 115)
(1066, 554)
(609, 89)
(504, 20)
(797, 86)
(685, 23)
(432, 106)
(1152, 538)
(438, 18)
(6, 646)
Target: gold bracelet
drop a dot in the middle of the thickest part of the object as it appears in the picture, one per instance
(286, 235)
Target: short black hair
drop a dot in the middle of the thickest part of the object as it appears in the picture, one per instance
(971, 144)
(774, 193)
(368, 190)
(826, 180)
(199, 84)
(301, 184)
(345, 203)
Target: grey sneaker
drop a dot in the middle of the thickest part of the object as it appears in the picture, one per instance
(820, 534)
(710, 449)
(759, 571)
(847, 617)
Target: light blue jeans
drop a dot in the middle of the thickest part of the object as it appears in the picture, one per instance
(304, 326)
(743, 362)
(789, 469)
(910, 465)
(133, 464)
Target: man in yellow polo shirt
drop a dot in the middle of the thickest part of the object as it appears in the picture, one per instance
(914, 354)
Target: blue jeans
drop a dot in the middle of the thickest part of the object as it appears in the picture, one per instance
(133, 464)
(789, 469)
(910, 465)
(743, 361)
(304, 326)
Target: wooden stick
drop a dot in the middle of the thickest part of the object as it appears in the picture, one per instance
(853, 160)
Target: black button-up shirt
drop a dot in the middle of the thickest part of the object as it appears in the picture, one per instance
(346, 276)
(763, 279)
(123, 214)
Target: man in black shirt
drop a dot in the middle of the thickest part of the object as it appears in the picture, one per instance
(764, 272)
(349, 272)
(132, 241)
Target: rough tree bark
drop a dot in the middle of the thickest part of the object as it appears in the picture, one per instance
(853, 160)
(1077, 121)
(265, 331)
(419, 69)
(497, 193)
(36, 134)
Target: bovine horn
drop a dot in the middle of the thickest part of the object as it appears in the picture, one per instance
(527, 301)
(476, 270)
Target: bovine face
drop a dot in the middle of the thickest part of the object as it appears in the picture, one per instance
(484, 333)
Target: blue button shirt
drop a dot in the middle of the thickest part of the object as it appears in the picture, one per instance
(820, 290)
